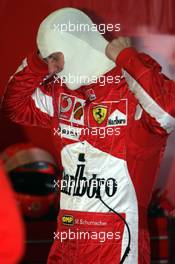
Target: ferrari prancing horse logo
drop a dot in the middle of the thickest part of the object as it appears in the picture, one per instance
(99, 113)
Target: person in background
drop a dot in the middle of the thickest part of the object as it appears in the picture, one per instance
(11, 224)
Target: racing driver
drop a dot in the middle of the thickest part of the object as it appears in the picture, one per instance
(107, 178)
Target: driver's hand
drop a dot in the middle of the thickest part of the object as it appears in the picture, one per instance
(116, 46)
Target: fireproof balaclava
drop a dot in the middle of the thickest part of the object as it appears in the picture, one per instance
(72, 32)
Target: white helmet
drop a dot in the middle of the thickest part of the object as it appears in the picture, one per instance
(70, 31)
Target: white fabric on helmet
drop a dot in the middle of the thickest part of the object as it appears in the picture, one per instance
(83, 46)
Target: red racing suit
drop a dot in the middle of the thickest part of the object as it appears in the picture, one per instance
(112, 139)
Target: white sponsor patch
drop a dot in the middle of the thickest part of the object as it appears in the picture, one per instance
(70, 132)
(71, 108)
(119, 116)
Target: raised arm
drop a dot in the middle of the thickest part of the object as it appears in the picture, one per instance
(27, 101)
(154, 92)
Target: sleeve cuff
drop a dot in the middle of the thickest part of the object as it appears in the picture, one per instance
(36, 64)
(125, 56)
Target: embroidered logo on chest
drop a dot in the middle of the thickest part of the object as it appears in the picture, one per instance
(71, 109)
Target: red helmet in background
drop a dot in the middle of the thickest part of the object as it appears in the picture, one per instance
(33, 174)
